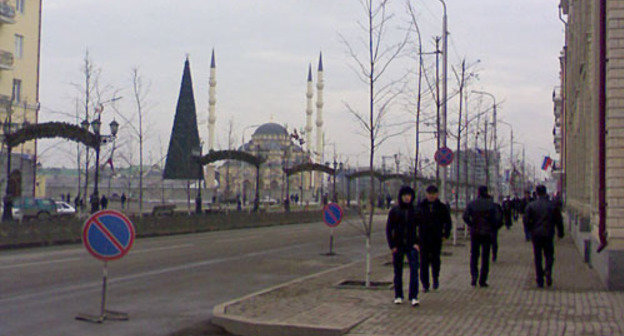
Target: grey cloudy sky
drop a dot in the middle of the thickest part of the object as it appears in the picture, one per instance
(263, 49)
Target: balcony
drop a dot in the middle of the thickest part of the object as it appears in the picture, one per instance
(7, 13)
(6, 60)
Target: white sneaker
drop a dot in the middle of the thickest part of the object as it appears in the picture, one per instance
(415, 302)
(398, 301)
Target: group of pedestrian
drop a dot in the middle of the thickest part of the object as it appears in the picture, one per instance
(417, 232)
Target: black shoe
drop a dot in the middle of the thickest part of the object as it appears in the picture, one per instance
(540, 284)
(483, 284)
(493, 259)
(473, 283)
(426, 290)
(549, 281)
(436, 284)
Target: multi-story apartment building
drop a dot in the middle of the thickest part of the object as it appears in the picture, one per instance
(592, 145)
(20, 31)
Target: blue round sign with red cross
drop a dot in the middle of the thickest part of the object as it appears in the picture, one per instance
(108, 235)
(332, 214)
(444, 156)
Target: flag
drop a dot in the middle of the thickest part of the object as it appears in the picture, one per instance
(109, 162)
(547, 162)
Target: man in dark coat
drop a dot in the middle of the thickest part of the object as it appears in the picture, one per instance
(435, 224)
(481, 217)
(402, 236)
(541, 217)
(499, 225)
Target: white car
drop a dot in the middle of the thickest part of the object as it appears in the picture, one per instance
(64, 209)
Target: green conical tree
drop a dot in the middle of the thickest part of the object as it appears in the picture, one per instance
(180, 164)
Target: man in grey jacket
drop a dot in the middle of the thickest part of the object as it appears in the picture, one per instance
(541, 217)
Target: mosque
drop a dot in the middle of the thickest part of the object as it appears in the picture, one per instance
(281, 148)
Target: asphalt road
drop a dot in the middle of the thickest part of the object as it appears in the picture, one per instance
(165, 284)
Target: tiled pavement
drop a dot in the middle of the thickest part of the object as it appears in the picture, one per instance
(577, 304)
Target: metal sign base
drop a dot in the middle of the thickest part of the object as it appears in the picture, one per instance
(104, 313)
(108, 315)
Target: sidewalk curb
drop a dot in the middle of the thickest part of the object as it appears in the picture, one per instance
(243, 326)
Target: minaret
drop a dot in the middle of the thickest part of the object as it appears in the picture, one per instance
(319, 111)
(212, 101)
(309, 110)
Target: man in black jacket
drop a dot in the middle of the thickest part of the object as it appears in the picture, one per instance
(435, 224)
(481, 216)
(402, 235)
(541, 217)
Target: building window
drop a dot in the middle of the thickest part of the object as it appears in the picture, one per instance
(17, 90)
(19, 6)
(19, 46)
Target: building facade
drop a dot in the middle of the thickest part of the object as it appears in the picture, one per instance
(20, 31)
(592, 135)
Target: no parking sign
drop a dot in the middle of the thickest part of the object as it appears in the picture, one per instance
(108, 235)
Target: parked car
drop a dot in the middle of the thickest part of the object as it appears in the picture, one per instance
(29, 207)
(64, 209)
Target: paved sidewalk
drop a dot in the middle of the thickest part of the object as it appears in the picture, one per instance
(577, 304)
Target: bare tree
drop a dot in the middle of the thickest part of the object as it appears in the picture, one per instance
(371, 69)
(140, 91)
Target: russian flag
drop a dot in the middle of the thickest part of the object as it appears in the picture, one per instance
(547, 162)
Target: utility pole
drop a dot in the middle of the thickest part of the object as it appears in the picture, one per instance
(444, 92)
(438, 130)
(457, 159)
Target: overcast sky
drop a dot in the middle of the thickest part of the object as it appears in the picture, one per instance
(263, 49)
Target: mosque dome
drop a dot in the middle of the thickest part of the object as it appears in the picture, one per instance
(271, 129)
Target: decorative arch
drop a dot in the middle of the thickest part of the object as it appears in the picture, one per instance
(214, 156)
(304, 167)
(51, 130)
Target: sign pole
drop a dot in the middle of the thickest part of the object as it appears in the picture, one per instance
(331, 242)
(104, 281)
(107, 235)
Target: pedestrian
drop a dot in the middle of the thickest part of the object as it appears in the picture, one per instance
(508, 212)
(480, 216)
(402, 236)
(123, 200)
(499, 225)
(77, 202)
(435, 224)
(388, 201)
(104, 202)
(95, 202)
(541, 217)
(523, 204)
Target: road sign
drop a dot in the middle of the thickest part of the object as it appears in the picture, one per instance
(332, 215)
(444, 156)
(108, 235)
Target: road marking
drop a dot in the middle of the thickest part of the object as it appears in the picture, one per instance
(39, 263)
(47, 262)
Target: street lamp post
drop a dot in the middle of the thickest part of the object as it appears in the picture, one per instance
(494, 126)
(197, 154)
(335, 197)
(511, 150)
(96, 127)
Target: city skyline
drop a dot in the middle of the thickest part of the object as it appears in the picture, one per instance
(262, 65)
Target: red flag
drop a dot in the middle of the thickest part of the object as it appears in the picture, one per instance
(109, 162)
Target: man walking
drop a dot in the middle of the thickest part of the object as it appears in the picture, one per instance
(541, 217)
(402, 235)
(435, 224)
(481, 217)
